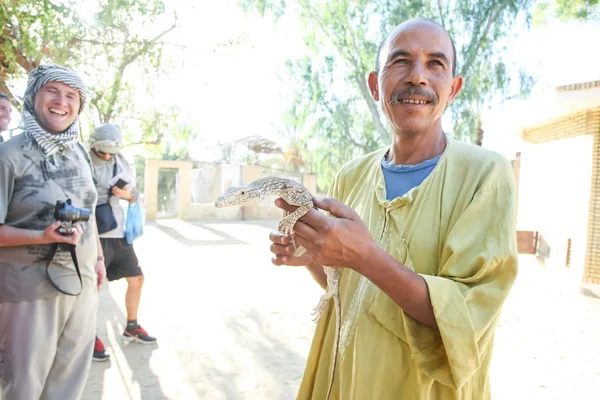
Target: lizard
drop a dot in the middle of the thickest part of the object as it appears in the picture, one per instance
(294, 194)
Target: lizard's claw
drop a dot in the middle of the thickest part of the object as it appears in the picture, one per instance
(299, 251)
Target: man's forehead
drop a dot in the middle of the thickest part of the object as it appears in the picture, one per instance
(5, 103)
(421, 34)
(60, 86)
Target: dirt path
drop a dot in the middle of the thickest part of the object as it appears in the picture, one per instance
(232, 326)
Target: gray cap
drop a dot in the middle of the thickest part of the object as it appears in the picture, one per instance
(107, 138)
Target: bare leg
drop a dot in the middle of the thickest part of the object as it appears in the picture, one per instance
(133, 295)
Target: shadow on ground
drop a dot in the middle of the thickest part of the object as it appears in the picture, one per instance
(227, 240)
(133, 360)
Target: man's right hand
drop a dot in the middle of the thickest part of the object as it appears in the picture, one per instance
(51, 235)
(283, 249)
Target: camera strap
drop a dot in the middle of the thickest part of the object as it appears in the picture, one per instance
(50, 256)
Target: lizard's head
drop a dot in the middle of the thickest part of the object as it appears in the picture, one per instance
(236, 195)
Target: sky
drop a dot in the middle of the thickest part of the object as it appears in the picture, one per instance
(234, 92)
(230, 92)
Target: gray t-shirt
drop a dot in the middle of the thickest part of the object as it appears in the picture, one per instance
(103, 172)
(30, 186)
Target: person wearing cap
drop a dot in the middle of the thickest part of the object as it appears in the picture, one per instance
(110, 166)
(48, 293)
(5, 113)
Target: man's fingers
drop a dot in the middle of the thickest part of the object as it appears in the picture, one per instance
(336, 208)
(279, 238)
(279, 202)
(54, 225)
(79, 228)
(304, 228)
(279, 260)
(279, 249)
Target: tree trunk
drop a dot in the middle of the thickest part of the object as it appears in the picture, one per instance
(4, 89)
(366, 94)
(479, 140)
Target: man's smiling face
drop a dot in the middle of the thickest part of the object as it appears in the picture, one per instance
(416, 82)
(56, 106)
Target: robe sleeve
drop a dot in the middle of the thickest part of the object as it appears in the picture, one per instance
(478, 265)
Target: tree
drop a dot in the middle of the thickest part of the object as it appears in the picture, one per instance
(32, 31)
(121, 48)
(342, 38)
(106, 49)
(566, 10)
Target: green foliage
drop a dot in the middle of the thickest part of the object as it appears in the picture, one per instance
(565, 10)
(116, 57)
(333, 104)
(33, 30)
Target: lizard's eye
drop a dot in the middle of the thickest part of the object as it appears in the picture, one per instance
(242, 192)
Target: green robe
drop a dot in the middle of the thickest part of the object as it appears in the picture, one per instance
(458, 231)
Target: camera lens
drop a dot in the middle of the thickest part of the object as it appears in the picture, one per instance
(64, 211)
(84, 214)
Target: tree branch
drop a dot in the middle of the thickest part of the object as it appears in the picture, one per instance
(441, 11)
(153, 142)
(128, 60)
(358, 75)
(348, 134)
(477, 41)
(13, 99)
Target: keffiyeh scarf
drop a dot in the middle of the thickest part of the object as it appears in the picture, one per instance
(49, 143)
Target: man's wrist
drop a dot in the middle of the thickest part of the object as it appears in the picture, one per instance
(40, 237)
(365, 257)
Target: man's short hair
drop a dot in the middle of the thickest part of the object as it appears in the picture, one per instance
(4, 96)
(384, 41)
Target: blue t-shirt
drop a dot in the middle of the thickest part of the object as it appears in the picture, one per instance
(399, 179)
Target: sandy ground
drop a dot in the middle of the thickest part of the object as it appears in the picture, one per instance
(230, 325)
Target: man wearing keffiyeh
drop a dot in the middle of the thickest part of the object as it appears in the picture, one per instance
(53, 100)
(47, 332)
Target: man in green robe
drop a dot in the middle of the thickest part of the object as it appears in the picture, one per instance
(424, 231)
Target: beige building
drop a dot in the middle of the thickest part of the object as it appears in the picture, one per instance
(559, 184)
(197, 189)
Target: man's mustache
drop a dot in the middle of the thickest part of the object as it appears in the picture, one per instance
(412, 91)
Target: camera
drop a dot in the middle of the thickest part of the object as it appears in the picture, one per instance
(69, 214)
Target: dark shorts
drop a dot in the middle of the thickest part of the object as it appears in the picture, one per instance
(120, 259)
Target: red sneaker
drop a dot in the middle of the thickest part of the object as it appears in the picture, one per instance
(138, 334)
(100, 353)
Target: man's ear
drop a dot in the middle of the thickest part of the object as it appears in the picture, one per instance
(457, 83)
(374, 85)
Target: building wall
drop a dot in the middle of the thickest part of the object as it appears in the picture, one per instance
(582, 123)
(200, 187)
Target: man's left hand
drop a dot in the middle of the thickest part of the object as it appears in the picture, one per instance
(343, 241)
(100, 272)
(122, 193)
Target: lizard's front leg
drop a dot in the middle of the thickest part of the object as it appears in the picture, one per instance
(286, 225)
